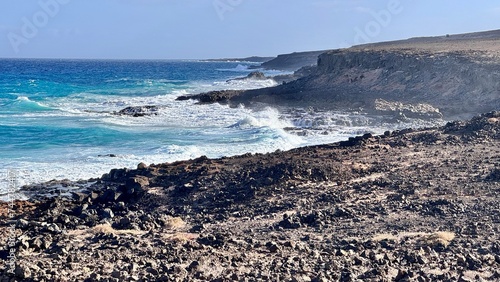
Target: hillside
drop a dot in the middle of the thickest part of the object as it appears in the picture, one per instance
(293, 61)
(458, 75)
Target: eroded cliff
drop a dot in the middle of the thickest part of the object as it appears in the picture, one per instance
(459, 75)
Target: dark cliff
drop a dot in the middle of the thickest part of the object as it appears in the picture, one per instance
(459, 75)
(455, 82)
(293, 61)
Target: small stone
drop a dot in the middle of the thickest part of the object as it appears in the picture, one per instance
(93, 196)
(24, 241)
(115, 274)
(107, 213)
(136, 184)
(320, 279)
(22, 271)
(489, 259)
(152, 271)
(301, 278)
(133, 267)
(290, 244)
(180, 272)
(422, 259)
(341, 252)
(22, 224)
(110, 195)
(461, 260)
(79, 197)
(36, 243)
(473, 263)
(272, 247)
(194, 265)
(54, 228)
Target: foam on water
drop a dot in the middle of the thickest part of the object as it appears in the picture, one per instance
(180, 130)
(56, 126)
(223, 131)
(238, 68)
(23, 104)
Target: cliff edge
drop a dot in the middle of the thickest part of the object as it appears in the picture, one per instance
(458, 75)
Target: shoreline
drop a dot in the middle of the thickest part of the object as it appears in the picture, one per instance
(340, 209)
(407, 205)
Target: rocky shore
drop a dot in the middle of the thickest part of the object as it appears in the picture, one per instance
(411, 205)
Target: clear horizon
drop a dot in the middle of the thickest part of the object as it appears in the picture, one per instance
(211, 29)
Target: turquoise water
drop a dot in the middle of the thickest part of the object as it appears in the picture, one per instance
(57, 117)
(57, 121)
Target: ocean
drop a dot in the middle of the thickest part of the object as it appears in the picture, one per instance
(58, 117)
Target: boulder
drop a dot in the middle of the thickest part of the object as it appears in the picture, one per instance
(256, 75)
(139, 111)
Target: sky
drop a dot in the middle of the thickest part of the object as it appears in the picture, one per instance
(201, 29)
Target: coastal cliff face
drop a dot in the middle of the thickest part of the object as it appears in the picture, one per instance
(457, 77)
(293, 61)
(454, 82)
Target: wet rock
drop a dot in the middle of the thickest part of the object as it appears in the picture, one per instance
(212, 97)
(139, 111)
(255, 75)
(108, 155)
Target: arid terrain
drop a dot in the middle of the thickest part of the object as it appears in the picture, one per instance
(409, 205)
(412, 205)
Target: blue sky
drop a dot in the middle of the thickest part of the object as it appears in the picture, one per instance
(196, 29)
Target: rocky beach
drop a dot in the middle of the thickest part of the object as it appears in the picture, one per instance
(408, 205)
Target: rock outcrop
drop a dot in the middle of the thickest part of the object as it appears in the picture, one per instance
(139, 111)
(458, 75)
(222, 96)
(293, 61)
(255, 75)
